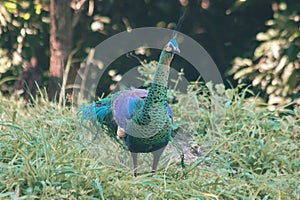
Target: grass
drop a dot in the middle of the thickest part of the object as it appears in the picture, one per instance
(248, 153)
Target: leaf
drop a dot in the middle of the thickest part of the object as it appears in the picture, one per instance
(281, 65)
(257, 79)
(288, 71)
(11, 6)
(243, 72)
(6, 79)
(100, 189)
(148, 196)
(26, 16)
(262, 36)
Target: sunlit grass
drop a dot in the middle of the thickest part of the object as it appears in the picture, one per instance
(246, 153)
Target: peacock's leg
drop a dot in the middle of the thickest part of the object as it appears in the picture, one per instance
(156, 157)
(135, 164)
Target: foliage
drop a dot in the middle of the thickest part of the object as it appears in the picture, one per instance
(24, 34)
(274, 66)
(22, 23)
(247, 153)
(97, 20)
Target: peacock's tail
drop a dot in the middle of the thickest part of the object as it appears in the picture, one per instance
(100, 114)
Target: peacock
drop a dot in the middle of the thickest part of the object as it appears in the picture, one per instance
(141, 118)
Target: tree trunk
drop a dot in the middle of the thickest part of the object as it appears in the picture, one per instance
(61, 42)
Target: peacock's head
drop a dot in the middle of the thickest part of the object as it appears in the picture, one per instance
(172, 46)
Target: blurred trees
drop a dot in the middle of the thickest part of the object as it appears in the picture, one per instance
(24, 43)
(247, 29)
(274, 65)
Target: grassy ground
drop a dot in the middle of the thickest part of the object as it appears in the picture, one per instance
(246, 153)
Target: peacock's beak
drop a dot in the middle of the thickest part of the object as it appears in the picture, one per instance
(176, 50)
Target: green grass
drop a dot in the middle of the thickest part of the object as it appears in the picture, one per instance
(248, 153)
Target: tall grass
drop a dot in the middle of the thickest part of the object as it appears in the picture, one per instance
(247, 153)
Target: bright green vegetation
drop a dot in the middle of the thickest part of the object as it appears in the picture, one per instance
(248, 153)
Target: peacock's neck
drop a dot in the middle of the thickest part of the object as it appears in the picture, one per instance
(157, 96)
(162, 71)
(154, 116)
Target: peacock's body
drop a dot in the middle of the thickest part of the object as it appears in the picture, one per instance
(141, 117)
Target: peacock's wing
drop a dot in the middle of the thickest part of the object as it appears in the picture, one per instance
(128, 103)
